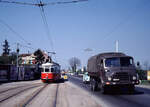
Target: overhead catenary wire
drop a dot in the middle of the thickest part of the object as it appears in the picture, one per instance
(17, 34)
(41, 3)
(46, 27)
(23, 46)
(47, 30)
(12, 30)
(123, 21)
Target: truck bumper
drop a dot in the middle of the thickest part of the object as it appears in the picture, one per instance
(113, 83)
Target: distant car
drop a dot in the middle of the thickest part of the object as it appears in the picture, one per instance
(86, 78)
(64, 76)
(71, 73)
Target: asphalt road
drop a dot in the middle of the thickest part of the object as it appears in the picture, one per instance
(72, 93)
(139, 98)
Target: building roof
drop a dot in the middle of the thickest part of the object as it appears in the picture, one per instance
(24, 55)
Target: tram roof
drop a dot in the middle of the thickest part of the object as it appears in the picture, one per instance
(50, 64)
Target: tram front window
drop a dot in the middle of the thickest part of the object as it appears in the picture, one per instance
(46, 70)
(52, 69)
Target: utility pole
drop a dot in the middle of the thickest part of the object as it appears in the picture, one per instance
(117, 46)
(52, 53)
(17, 60)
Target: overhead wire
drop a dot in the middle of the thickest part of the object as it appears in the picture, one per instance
(40, 4)
(12, 30)
(16, 33)
(15, 2)
(121, 23)
(46, 26)
(43, 4)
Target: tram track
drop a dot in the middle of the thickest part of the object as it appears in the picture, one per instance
(13, 88)
(48, 99)
(56, 95)
(12, 92)
(34, 95)
(39, 92)
(29, 95)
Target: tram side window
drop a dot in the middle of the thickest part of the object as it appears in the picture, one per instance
(52, 69)
(46, 70)
(42, 70)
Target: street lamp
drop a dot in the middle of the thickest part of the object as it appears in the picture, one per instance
(52, 53)
(88, 50)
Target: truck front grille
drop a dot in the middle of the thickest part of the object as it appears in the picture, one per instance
(122, 76)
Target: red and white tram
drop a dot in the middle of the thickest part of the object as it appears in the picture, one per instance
(50, 72)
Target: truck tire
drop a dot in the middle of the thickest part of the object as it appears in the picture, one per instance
(93, 85)
(105, 90)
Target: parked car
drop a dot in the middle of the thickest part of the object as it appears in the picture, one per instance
(86, 78)
(64, 76)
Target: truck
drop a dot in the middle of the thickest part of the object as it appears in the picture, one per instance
(112, 70)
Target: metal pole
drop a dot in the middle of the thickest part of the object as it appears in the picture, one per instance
(117, 46)
(17, 60)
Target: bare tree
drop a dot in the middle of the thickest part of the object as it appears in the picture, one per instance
(74, 63)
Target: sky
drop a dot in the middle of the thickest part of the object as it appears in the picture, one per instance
(94, 24)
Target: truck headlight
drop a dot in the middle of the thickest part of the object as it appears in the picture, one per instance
(107, 70)
(134, 78)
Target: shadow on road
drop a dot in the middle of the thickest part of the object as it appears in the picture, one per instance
(124, 92)
(4, 82)
(145, 90)
(57, 82)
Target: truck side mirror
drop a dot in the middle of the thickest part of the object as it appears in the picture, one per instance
(138, 63)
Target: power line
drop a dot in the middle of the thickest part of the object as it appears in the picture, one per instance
(121, 23)
(12, 30)
(27, 47)
(41, 4)
(17, 2)
(46, 24)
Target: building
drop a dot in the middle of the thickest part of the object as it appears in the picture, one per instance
(27, 58)
(31, 58)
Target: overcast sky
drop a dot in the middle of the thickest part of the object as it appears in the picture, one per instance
(95, 24)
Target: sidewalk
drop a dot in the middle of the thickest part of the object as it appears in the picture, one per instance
(143, 86)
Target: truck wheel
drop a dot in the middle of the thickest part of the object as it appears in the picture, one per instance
(104, 90)
(93, 85)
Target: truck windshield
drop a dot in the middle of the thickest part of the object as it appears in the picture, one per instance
(119, 62)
